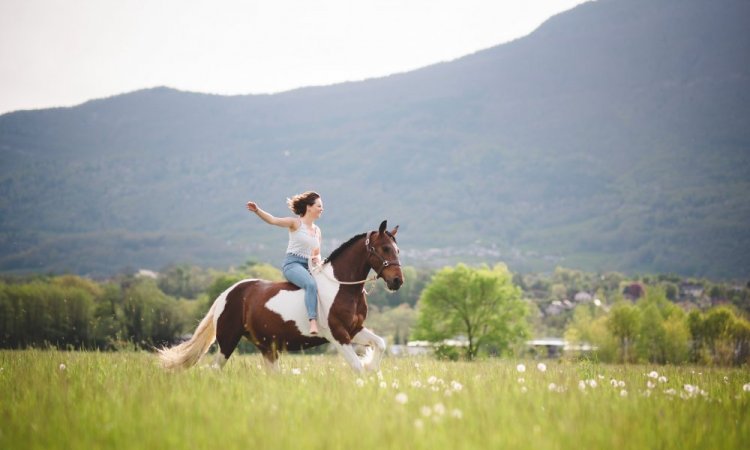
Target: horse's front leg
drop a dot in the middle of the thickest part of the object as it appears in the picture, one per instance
(347, 351)
(375, 350)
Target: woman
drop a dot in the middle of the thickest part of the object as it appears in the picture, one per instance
(304, 246)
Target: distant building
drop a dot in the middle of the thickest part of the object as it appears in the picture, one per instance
(691, 290)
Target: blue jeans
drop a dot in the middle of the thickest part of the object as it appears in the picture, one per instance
(296, 271)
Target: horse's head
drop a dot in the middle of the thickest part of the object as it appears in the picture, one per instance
(382, 254)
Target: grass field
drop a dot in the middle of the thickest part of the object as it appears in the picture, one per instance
(83, 400)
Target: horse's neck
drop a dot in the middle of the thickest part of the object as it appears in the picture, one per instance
(351, 265)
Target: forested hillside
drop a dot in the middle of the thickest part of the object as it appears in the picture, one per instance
(614, 137)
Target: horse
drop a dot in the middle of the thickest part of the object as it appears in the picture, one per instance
(272, 315)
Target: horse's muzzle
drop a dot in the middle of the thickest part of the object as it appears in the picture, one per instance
(394, 283)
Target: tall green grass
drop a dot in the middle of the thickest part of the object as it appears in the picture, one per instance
(53, 399)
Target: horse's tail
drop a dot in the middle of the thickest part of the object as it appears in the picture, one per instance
(188, 353)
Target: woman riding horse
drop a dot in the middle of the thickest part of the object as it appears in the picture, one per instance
(274, 317)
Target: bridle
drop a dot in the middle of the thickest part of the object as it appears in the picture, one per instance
(384, 263)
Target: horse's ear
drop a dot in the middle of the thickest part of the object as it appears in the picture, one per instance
(383, 226)
(394, 231)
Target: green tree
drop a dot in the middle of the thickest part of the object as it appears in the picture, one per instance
(624, 323)
(482, 304)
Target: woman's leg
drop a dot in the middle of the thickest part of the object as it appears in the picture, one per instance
(298, 274)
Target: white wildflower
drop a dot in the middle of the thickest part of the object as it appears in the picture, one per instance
(416, 384)
(383, 385)
(653, 374)
(552, 387)
(601, 377)
(380, 375)
(621, 384)
(456, 386)
(434, 388)
(592, 383)
(690, 389)
(582, 385)
(296, 371)
(394, 384)
(432, 380)
(521, 368)
(623, 393)
(613, 382)
(521, 380)
(746, 387)
(63, 366)
(650, 384)
(541, 367)
(447, 392)
(402, 398)
(670, 391)
(426, 411)
(439, 409)
(662, 379)
(597, 302)
(523, 389)
(418, 424)
(457, 414)
(360, 382)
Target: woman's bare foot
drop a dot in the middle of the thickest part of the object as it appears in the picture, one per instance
(313, 326)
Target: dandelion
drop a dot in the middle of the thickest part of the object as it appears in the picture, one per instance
(380, 375)
(456, 386)
(650, 384)
(521, 368)
(653, 374)
(523, 389)
(670, 391)
(621, 384)
(425, 411)
(613, 382)
(418, 424)
(432, 380)
(623, 393)
(63, 366)
(416, 384)
(457, 414)
(582, 385)
(601, 377)
(360, 382)
(552, 387)
(402, 398)
(521, 380)
(394, 384)
(296, 371)
(597, 302)
(434, 388)
(541, 367)
(592, 383)
(439, 409)
(726, 379)
(383, 385)
(746, 387)
(662, 379)
(690, 389)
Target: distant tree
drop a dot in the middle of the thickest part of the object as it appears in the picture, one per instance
(624, 323)
(482, 304)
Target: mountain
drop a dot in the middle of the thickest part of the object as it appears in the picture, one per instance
(614, 137)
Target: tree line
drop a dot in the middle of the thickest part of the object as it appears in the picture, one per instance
(647, 318)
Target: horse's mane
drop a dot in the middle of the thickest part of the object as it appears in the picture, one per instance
(348, 244)
(343, 247)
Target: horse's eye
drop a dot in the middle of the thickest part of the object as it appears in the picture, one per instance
(387, 249)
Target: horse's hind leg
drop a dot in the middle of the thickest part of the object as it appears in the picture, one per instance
(228, 340)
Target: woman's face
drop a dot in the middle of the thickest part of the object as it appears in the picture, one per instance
(316, 209)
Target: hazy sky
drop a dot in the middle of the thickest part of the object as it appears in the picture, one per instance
(64, 52)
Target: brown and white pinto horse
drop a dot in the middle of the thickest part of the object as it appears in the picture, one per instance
(272, 314)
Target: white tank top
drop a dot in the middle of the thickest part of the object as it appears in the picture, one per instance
(301, 243)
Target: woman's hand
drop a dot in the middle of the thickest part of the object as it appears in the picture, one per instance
(252, 207)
